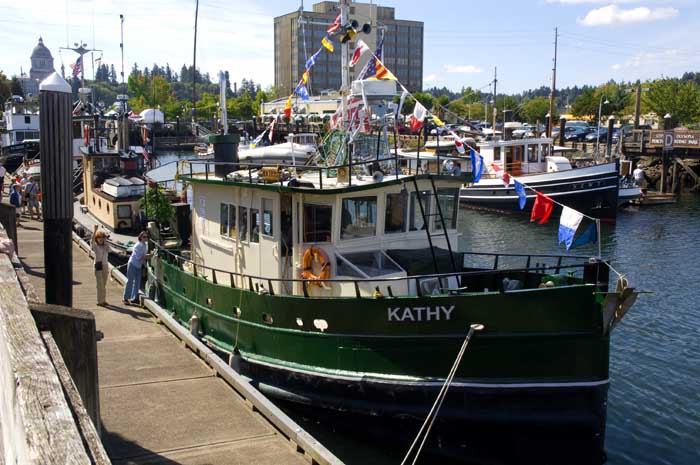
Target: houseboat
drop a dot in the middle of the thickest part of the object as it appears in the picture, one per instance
(592, 190)
(341, 287)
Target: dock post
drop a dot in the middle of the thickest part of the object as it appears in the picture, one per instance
(664, 157)
(55, 110)
(562, 131)
(608, 142)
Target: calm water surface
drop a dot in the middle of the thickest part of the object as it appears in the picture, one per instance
(654, 397)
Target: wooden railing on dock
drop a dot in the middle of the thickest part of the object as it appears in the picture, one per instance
(42, 414)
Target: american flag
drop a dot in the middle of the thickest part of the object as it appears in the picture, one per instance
(370, 69)
(77, 67)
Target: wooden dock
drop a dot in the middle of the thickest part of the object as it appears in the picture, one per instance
(161, 402)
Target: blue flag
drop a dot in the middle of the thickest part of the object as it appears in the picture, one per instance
(312, 61)
(590, 234)
(477, 164)
(302, 91)
(522, 197)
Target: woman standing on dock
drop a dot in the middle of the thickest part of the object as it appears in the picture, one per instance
(133, 269)
(99, 246)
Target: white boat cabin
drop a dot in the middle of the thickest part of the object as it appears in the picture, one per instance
(264, 233)
(519, 156)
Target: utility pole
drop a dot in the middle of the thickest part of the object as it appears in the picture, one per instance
(194, 66)
(495, 81)
(637, 105)
(554, 85)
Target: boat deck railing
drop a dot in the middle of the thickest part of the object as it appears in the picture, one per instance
(254, 174)
(589, 271)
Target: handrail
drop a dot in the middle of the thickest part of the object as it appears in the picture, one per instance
(495, 271)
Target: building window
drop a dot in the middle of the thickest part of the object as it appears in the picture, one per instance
(267, 225)
(317, 223)
(395, 214)
(359, 218)
(448, 199)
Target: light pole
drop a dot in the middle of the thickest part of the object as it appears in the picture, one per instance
(600, 109)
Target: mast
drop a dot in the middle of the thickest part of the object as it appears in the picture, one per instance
(554, 85)
(344, 66)
(495, 81)
(194, 65)
(121, 44)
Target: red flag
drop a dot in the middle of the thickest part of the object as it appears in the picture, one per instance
(458, 142)
(418, 116)
(335, 26)
(502, 175)
(542, 209)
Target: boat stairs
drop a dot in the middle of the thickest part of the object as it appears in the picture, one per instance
(120, 384)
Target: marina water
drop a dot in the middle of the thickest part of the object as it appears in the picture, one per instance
(654, 396)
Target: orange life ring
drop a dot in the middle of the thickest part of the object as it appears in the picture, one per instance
(86, 134)
(315, 254)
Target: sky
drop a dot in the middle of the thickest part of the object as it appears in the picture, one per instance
(463, 39)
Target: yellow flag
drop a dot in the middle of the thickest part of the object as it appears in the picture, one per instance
(305, 76)
(438, 121)
(328, 44)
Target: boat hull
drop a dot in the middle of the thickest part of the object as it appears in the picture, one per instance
(592, 191)
(542, 360)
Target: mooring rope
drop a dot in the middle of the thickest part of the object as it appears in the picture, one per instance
(435, 409)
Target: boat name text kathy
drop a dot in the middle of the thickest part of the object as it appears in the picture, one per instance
(418, 313)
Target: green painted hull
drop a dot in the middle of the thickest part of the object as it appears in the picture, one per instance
(542, 358)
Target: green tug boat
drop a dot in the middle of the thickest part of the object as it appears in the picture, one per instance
(339, 287)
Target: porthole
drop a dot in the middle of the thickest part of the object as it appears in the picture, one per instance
(267, 318)
(237, 312)
(210, 302)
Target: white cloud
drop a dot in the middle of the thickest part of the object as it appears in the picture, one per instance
(612, 14)
(584, 2)
(430, 78)
(463, 69)
(648, 59)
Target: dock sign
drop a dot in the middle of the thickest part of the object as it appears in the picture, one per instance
(668, 140)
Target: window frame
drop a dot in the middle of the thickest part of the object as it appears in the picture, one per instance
(368, 199)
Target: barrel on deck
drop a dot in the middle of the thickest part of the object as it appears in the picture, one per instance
(225, 153)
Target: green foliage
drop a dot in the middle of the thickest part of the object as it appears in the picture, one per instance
(679, 99)
(16, 86)
(586, 104)
(534, 109)
(5, 87)
(157, 206)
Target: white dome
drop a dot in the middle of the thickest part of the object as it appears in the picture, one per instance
(151, 116)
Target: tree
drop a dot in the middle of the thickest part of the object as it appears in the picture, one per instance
(112, 75)
(534, 109)
(679, 99)
(585, 104)
(470, 95)
(507, 102)
(5, 87)
(157, 206)
(16, 86)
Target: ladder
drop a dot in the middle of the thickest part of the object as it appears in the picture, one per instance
(426, 223)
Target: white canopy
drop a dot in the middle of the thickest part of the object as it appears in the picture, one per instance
(151, 116)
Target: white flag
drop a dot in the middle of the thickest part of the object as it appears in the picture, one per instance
(568, 224)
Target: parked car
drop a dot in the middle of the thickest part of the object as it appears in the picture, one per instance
(627, 130)
(600, 134)
(577, 135)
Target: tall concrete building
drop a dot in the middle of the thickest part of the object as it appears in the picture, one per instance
(42, 67)
(298, 35)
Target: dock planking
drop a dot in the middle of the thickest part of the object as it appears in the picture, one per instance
(160, 403)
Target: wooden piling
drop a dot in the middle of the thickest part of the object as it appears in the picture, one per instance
(55, 113)
(562, 131)
(608, 142)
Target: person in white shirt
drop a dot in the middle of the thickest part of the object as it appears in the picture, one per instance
(139, 255)
(639, 176)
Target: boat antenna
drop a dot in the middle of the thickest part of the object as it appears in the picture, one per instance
(495, 112)
(554, 85)
(194, 65)
(121, 44)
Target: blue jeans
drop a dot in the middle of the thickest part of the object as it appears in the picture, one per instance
(133, 282)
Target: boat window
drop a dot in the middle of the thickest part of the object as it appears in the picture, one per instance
(223, 220)
(242, 223)
(448, 199)
(532, 153)
(416, 221)
(545, 151)
(373, 263)
(496, 154)
(345, 268)
(267, 217)
(395, 214)
(254, 225)
(317, 223)
(359, 217)
(123, 211)
(231, 221)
